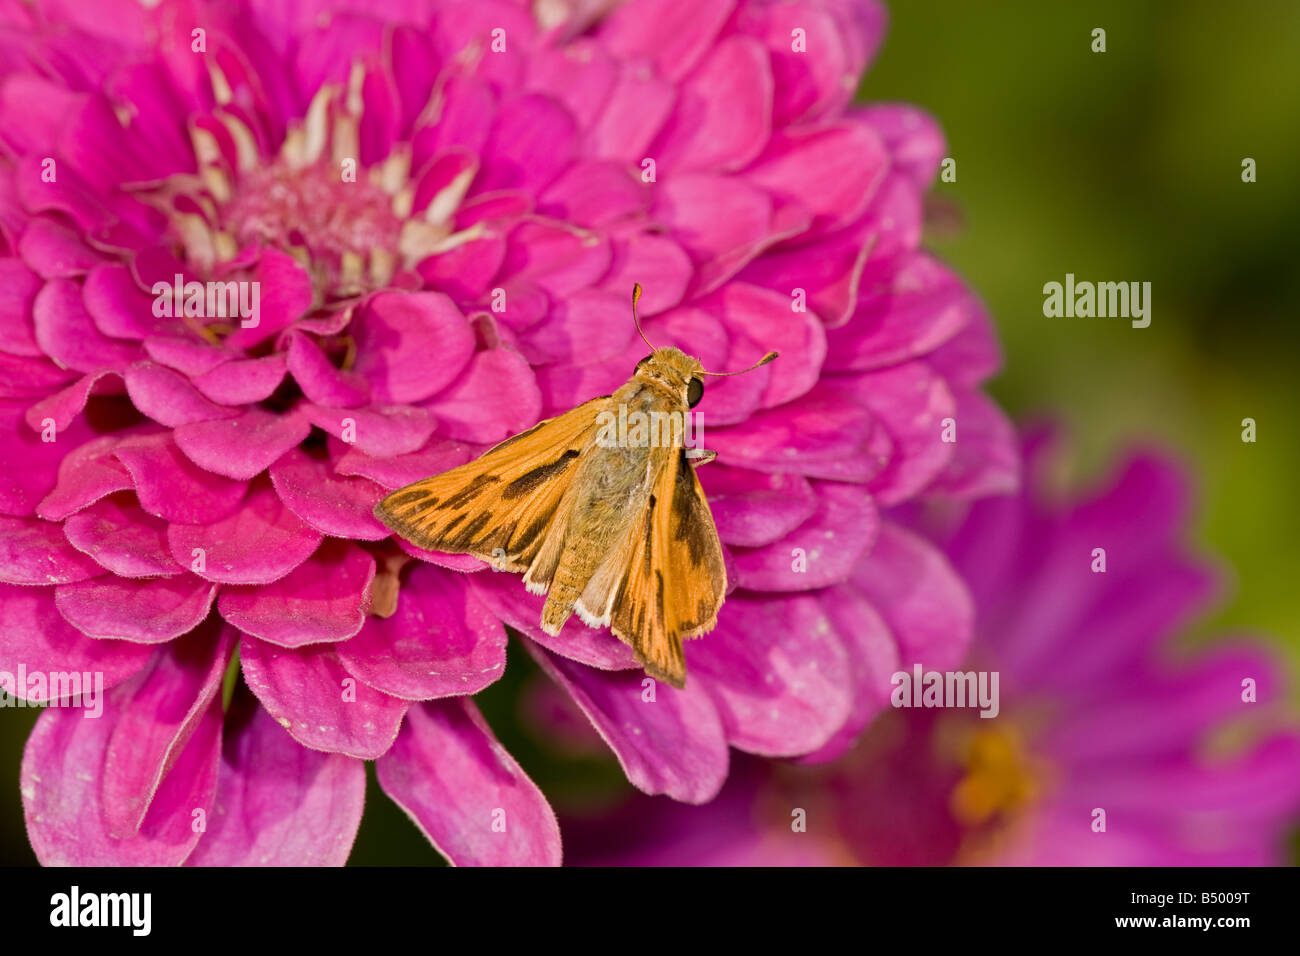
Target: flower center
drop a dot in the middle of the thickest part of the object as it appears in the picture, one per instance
(351, 227)
(998, 781)
(338, 227)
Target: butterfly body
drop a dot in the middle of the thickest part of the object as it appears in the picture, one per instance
(608, 521)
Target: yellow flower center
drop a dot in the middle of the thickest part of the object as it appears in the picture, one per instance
(998, 779)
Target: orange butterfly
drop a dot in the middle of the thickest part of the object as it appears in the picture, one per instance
(599, 508)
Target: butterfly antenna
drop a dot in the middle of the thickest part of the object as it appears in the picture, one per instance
(636, 297)
(761, 362)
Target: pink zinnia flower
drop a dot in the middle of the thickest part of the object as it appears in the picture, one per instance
(444, 206)
(1098, 712)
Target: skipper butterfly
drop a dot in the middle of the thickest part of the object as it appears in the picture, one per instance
(608, 522)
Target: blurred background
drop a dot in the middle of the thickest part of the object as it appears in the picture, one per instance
(1124, 165)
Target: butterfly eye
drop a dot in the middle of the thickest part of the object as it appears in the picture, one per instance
(694, 392)
(643, 361)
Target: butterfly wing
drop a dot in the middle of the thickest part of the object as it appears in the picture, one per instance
(501, 506)
(675, 578)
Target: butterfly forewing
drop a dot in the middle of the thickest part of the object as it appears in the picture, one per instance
(501, 506)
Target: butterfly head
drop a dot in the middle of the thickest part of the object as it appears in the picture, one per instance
(673, 369)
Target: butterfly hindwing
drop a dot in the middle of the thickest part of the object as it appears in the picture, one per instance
(675, 578)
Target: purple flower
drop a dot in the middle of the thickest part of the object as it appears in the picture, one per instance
(1192, 759)
(431, 215)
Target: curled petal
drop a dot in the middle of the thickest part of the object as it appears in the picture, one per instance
(21, 489)
(579, 329)
(507, 597)
(380, 430)
(471, 409)
(319, 380)
(660, 265)
(243, 381)
(261, 542)
(556, 258)
(465, 272)
(531, 143)
(724, 111)
(592, 194)
(671, 743)
(824, 434)
(27, 378)
(19, 285)
(411, 345)
(777, 672)
(67, 334)
(821, 551)
(673, 34)
(311, 695)
(404, 469)
(760, 321)
(243, 446)
(440, 642)
(333, 504)
(168, 397)
(122, 537)
(323, 599)
(171, 486)
(119, 306)
(721, 221)
(456, 562)
(806, 87)
(37, 552)
(147, 610)
(833, 170)
(65, 405)
(828, 270)
(465, 792)
(913, 406)
(193, 357)
(873, 660)
(904, 310)
(752, 509)
(986, 459)
(62, 776)
(34, 636)
(913, 138)
(157, 713)
(279, 803)
(87, 474)
(920, 597)
(637, 106)
(288, 294)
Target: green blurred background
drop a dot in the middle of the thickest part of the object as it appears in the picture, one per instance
(1126, 165)
(1123, 165)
